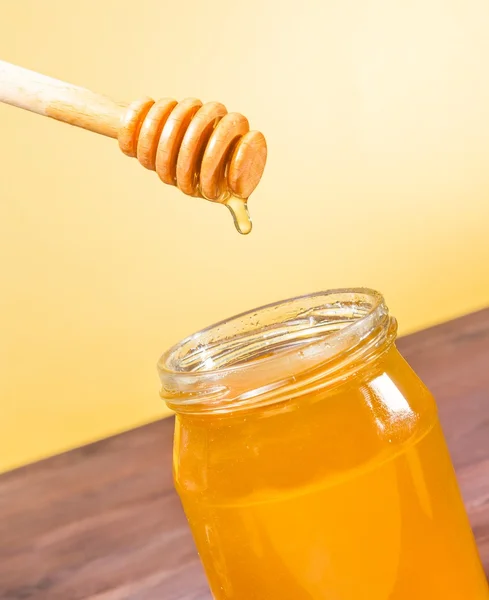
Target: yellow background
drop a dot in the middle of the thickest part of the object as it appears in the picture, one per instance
(377, 119)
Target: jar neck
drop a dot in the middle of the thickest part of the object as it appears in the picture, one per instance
(282, 350)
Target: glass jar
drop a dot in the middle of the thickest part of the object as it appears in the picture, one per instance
(310, 460)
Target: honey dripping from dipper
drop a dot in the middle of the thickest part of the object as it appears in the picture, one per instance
(241, 216)
(200, 148)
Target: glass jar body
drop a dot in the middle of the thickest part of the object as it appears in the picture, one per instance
(345, 492)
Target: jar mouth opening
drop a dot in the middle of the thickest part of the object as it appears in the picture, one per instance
(269, 345)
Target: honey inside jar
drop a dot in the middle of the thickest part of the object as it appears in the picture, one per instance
(310, 460)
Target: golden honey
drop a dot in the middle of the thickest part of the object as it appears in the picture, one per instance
(310, 460)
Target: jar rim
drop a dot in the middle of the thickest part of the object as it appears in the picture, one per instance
(269, 343)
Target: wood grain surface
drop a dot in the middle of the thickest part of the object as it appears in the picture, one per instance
(102, 522)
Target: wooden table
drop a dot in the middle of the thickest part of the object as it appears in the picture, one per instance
(103, 523)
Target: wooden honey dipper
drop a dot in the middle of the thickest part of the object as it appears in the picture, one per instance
(200, 148)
